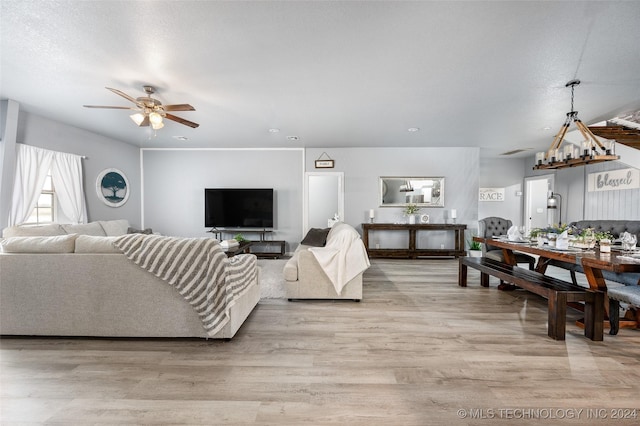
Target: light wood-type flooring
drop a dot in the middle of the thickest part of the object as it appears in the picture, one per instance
(418, 350)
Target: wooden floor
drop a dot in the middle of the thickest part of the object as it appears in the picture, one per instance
(418, 350)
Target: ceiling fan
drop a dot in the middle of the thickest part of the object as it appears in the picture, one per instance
(150, 111)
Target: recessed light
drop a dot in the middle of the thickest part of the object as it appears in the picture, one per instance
(293, 138)
(546, 128)
(274, 130)
(413, 129)
(181, 138)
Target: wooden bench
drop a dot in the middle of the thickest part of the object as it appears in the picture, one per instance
(558, 293)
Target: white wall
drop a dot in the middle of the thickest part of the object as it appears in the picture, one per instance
(8, 133)
(362, 168)
(174, 183)
(101, 153)
(616, 204)
(579, 203)
(504, 173)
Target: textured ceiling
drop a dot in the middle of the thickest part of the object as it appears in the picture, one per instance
(335, 74)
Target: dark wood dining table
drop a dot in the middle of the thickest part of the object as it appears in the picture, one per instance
(593, 262)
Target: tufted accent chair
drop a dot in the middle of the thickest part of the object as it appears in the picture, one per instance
(493, 227)
(629, 294)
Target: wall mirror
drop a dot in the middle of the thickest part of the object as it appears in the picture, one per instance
(400, 191)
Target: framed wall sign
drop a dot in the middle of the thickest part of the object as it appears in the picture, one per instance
(112, 187)
(491, 194)
(612, 180)
(324, 163)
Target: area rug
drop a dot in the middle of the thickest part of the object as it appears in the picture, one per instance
(272, 284)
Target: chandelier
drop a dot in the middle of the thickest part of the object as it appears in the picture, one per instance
(570, 155)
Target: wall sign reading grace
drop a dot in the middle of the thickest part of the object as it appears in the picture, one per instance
(491, 194)
(112, 187)
(614, 180)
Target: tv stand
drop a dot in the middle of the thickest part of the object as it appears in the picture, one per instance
(262, 248)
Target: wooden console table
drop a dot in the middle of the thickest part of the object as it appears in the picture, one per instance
(412, 251)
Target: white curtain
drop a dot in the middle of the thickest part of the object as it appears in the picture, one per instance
(66, 173)
(32, 167)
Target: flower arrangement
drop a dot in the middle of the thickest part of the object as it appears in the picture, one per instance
(579, 237)
(603, 235)
(411, 209)
(553, 229)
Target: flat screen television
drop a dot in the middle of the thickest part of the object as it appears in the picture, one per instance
(238, 208)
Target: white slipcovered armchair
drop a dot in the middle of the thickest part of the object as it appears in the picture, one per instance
(327, 271)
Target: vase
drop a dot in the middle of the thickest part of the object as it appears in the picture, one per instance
(475, 253)
(412, 219)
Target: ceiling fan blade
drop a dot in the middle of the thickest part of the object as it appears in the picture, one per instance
(145, 122)
(179, 107)
(182, 121)
(124, 95)
(110, 107)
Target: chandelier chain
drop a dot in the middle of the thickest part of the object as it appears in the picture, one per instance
(572, 87)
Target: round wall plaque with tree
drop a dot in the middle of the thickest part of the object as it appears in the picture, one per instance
(112, 187)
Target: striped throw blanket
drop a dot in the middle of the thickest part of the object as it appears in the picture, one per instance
(198, 269)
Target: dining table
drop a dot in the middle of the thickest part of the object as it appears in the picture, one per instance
(592, 260)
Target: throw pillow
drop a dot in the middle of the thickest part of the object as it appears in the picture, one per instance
(113, 228)
(93, 244)
(316, 237)
(55, 244)
(92, 228)
(145, 231)
(33, 231)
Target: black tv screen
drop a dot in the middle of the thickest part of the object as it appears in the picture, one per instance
(238, 208)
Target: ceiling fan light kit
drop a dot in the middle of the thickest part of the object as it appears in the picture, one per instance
(150, 111)
(571, 155)
(137, 118)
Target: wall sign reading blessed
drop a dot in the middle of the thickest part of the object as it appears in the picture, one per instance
(614, 180)
(491, 194)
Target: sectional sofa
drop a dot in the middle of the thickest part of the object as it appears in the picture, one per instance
(70, 280)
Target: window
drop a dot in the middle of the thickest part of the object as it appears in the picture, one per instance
(44, 212)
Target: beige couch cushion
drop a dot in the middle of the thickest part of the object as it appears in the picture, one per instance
(290, 270)
(52, 244)
(94, 244)
(33, 231)
(92, 228)
(113, 228)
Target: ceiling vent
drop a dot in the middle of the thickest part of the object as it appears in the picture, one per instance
(516, 151)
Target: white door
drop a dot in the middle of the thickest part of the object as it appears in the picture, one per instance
(323, 200)
(537, 190)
